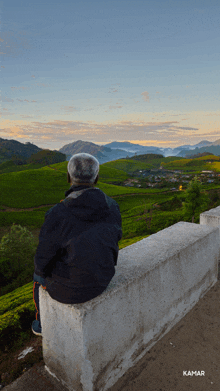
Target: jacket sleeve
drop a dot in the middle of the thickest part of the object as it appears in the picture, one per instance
(49, 243)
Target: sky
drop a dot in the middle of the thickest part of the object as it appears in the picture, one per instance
(147, 72)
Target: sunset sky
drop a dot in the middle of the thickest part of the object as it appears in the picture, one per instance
(147, 72)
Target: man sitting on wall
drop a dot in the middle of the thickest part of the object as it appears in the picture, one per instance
(78, 242)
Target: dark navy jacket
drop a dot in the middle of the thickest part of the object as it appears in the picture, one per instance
(78, 245)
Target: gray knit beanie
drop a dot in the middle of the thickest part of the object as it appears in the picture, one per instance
(83, 168)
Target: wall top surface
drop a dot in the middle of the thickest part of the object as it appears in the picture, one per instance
(212, 212)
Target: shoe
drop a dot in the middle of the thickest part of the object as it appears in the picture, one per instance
(36, 327)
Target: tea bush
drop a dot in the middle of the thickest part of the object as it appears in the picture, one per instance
(17, 250)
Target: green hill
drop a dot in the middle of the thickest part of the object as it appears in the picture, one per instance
(193, 164)
(10, 148)
(40, 159)
(154, 160)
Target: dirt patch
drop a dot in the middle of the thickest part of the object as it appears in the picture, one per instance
(11, 367)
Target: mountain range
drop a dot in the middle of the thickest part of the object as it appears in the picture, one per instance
(178, 151)
(12, 149)
(118, 150)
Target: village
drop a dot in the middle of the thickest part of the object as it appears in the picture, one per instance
(175, 180)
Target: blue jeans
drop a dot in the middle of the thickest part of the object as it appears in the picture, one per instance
(37, 282)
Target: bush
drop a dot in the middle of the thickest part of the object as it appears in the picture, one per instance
(17, 249)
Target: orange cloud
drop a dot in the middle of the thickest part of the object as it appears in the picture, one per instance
(65, 131)
(145, 96)
(69, 109)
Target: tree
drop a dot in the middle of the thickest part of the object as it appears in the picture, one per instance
(195, 201)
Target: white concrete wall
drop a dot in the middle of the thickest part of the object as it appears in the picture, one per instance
(212, 218)
(158, 280)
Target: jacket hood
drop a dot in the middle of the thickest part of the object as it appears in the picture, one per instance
(87, 203)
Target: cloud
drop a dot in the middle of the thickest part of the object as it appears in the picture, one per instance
(13, 43)
(42, 85)
(6, 113)
(25, 100)
(145, 96)
(112, 90)
(6, 99)
(24, 88)
(212, 114)
(69, 109)
(64, 132)
(186, 128)
(214, 133)
(115, 107)
(20, 88)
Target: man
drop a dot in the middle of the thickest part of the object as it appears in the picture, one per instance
(78, 242)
